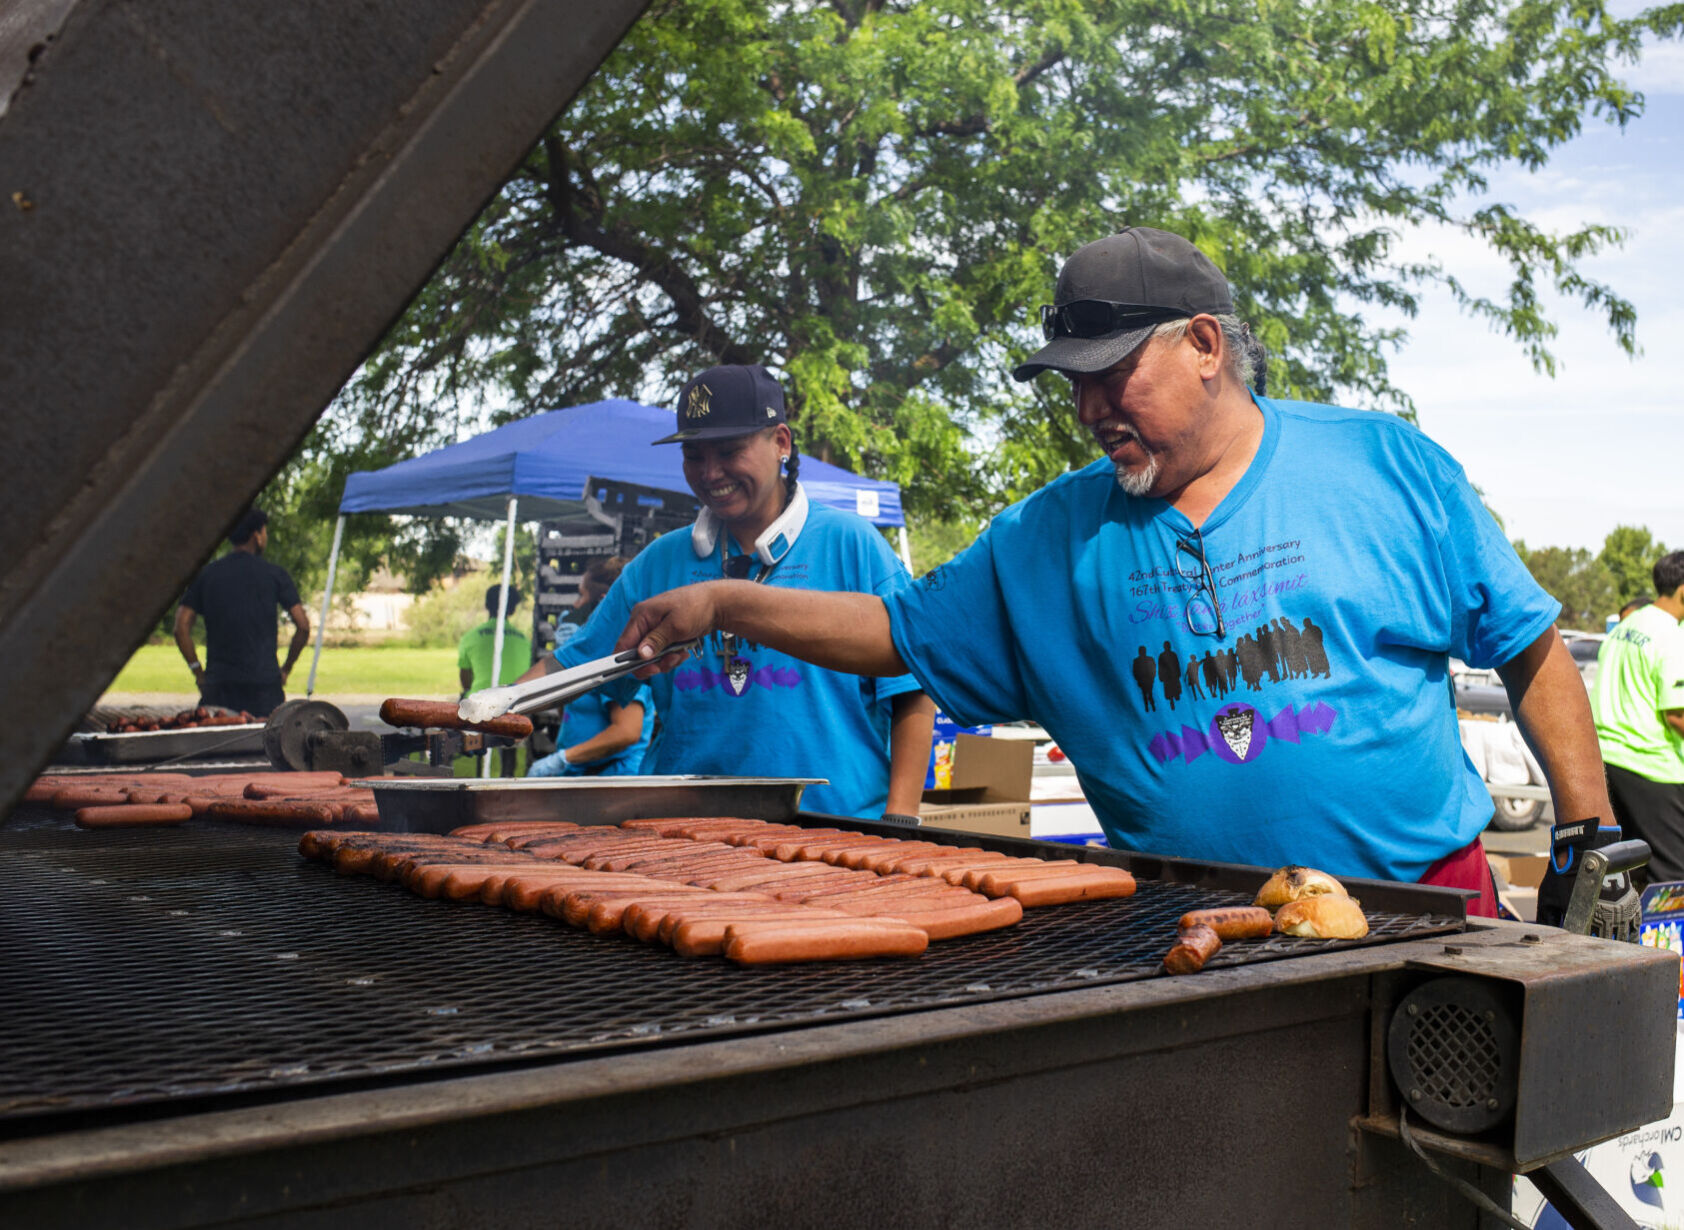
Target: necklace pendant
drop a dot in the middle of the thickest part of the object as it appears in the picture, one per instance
(736, 669)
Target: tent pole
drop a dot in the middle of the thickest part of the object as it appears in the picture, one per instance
(327, 597)
(905, 549)
(502, 616)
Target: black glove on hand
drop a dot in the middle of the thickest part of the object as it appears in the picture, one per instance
(1617, 911)
(891, 817)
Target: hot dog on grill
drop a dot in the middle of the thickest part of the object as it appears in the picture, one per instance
(1235, 922)
(824, 940)
(132, 815)
(441, 714)
(1193, 948)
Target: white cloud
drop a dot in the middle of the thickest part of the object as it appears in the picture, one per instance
(1565, 460)
(1661, 71)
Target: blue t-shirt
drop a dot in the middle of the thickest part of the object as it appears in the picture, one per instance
(587, 716)
(766, 714)
(1352, 559)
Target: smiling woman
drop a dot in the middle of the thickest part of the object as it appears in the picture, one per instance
(747, 708)
(737, 479)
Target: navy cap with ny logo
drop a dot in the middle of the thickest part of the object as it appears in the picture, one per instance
(733, 400)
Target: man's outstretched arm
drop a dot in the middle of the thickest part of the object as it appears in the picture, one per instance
(843, 632)
(1553, 713)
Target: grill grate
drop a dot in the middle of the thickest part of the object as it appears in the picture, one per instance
(143, 967)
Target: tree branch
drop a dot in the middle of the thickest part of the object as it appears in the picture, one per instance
(663, 273)
(581, 215)
(975, 125)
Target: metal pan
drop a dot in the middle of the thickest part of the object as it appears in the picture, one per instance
(437, 805)
(153, 745)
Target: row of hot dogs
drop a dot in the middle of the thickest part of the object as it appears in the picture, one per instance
(187, 719)
(750, 890)
(749, 874)
(131, 800)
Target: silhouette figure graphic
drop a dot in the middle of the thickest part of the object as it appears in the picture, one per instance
(1194, 670)
(1145, 670)
(1251, 662)
(1292, 645)
(1169, 673)
(1315, 656)
(1268, 652)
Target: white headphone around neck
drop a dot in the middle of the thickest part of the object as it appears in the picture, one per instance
(771, 546)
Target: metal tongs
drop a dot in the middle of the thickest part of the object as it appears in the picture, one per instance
(560, 687)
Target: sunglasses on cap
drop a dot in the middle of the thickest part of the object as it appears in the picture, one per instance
(1097, 317)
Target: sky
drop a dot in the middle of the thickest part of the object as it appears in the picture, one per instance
(1562, 461)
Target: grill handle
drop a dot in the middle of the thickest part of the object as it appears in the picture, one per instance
(1594, 867)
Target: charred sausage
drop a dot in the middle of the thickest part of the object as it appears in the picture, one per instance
(1236, 922)
(441, 714)
(1193, 948)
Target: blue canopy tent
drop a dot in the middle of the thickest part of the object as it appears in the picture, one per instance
(544, 467)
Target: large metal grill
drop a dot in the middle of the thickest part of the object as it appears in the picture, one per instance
(161, 965)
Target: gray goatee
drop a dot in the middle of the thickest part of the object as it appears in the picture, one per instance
(1138, 482)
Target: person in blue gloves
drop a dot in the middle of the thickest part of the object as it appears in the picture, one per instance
(743, 707)
(600, 736)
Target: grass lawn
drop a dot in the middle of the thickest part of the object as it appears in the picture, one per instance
(343, 672)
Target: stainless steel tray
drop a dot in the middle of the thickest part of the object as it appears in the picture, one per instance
(147, 746)
(439, 804)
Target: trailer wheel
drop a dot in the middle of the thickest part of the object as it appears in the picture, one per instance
(1516, 815)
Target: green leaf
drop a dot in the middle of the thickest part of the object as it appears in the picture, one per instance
(873, 198)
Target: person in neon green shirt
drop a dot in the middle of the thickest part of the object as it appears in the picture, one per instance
(1638, 704)
(474, 651)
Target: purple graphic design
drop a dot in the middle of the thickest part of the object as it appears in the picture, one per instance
(702, 679)
(1237, 735)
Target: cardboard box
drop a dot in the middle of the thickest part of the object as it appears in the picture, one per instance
(987, 770)
(1518, 877)
(1519, 870)
(994, 819)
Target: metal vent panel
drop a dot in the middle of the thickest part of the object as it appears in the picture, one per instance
(1453, 1047)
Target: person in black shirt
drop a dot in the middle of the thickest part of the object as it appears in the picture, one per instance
(238, 595)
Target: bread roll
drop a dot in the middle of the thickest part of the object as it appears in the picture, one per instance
(1292, 883)
(1327, 917)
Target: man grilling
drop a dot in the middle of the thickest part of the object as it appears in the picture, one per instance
(1216, 518)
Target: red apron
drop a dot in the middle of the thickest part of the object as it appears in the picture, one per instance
(1467, 868)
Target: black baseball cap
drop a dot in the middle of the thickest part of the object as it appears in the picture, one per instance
(1114, 292)
(734, 400)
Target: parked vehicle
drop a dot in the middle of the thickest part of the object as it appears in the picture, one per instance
(1481, 693)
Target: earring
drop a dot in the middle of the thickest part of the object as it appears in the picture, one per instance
(783, 461)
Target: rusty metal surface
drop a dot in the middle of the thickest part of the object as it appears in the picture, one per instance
(1083, 1108)
(1598, 1034)
(26, 26)
(1015, 1112)
(1571, 1191)
(219, 207)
